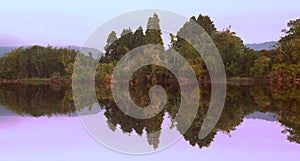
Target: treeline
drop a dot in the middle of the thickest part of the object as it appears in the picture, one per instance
(237, 58)
(37, 62)
(280, 65)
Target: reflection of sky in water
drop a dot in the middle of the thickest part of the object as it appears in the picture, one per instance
(138, 144)
(64, 138)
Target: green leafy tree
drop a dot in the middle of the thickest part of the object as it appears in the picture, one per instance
(286, 68)
(207, 24)
(261, 68)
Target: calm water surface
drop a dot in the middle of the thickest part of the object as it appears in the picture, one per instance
(39, 122)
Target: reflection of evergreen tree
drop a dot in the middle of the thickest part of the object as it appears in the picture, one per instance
(153, 32)
(153, 139)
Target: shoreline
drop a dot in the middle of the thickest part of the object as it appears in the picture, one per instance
(37, 81)
(66, 81)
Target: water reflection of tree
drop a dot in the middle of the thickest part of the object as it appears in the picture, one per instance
(238, 105)
(285, 104)
(37, 100)
(128, 124)
(47, 100)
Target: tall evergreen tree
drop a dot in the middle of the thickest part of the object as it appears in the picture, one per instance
(138, 37)
(153, 32)
(112, 37)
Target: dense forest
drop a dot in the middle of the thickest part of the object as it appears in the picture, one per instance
(279, 66)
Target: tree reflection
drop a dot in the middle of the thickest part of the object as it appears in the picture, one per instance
(37, 100)
(286, 105)
(49, 100)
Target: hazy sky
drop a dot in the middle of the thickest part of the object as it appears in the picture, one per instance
(69, 22)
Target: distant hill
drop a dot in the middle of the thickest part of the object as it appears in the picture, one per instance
(5, 112)
(258, 47)
(262, 46)
(4, 50)
(268, 116)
